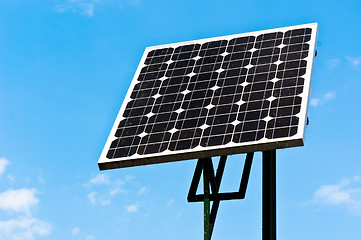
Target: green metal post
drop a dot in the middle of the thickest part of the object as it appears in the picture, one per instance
(207, 229)
(269, 195)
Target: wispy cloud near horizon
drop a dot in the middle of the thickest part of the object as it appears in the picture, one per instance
(132, 208)
(95, 199)
(20, 203)
(346, 193)
(24, 228)
(86, 7)
(101, 178)
(355, 61)
(3, 163)
(20, 200)
(332, 63)
(75, 231)
(328, 96)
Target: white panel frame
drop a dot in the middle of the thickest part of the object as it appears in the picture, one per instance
(227, 149)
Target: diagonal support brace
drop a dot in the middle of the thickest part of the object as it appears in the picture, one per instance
(211, 185)
(240, 194)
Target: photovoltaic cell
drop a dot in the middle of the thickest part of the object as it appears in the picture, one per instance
(218, 96)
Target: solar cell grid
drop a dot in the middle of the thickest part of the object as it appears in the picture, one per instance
(242, 92)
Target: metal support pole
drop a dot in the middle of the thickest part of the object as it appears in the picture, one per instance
(217, 183)
(206, 169)
(269, 195)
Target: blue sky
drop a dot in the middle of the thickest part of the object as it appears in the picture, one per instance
(65, 67)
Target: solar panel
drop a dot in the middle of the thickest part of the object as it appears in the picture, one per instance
(217, 96)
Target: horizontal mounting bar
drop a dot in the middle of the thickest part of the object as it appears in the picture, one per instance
(218, 196)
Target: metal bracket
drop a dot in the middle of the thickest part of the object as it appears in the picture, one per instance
(213, 182)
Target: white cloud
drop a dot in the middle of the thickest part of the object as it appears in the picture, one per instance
(103, 188)
(346, 193)
(117, 190)
(23, 228)
(329, 95)
(170, 202)
(354, 61)
(101, 178)
(314, 102)
(11, 178)
(18, 200)
(95, 199)
(3, 163)
(40, 179)
(75, 231)
(91, 197)
(332, 63)
(80, 235)
(132, 208)
(333, 194)
(103, 196)
(143, 190)
(88, 7)
(85, 7)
